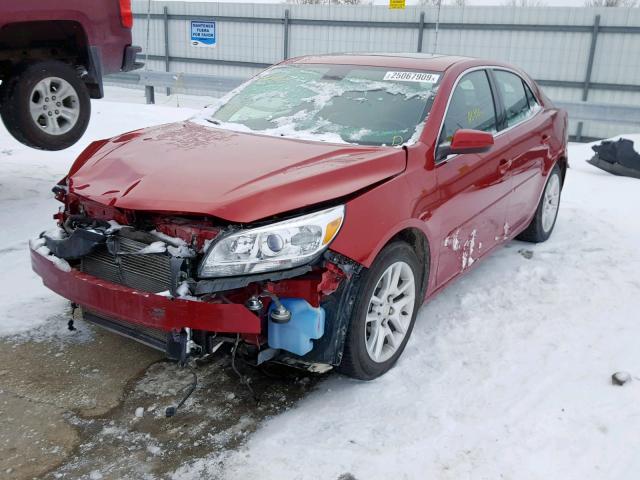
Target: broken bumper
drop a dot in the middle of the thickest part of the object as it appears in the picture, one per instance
(143, 308)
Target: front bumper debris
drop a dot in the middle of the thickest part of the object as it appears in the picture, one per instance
(143, 308)
(80, 243)
(141, 284)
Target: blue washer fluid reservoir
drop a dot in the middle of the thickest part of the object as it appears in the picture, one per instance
(295, 336)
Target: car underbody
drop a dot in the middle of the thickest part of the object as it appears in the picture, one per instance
(136, 274)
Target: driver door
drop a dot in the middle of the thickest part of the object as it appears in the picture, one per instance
(474, 187)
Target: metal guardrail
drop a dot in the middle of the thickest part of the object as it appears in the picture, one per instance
(602, 112)
(170, 80)
(580, 111)
(188, 81)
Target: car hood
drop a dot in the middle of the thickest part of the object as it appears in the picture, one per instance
(188, 168)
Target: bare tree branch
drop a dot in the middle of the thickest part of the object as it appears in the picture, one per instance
(434, 3)
(325, 2)
(525, 3)
(611, 3)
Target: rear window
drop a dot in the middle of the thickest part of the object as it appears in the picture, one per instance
(533, 101)
(338, 103)
(514, 96)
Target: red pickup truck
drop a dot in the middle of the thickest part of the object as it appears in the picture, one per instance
(52, 59)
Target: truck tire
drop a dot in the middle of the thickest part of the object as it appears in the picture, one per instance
(45, 105)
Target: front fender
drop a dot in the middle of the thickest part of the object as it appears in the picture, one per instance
(380, 214)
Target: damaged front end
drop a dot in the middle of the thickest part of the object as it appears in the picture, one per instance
(187, 285)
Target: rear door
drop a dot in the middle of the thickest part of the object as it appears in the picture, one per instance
(473, 187)
(527, 127)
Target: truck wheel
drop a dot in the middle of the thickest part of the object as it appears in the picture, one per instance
(46, 105)
(540, 228)
(384, 314)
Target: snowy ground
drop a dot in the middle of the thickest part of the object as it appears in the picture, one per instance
(26, 203)
(507, 374)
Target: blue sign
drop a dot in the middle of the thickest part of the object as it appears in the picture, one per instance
(203, 34)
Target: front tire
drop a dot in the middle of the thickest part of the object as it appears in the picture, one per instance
(384, 314)
(46, 105)
(544, 220)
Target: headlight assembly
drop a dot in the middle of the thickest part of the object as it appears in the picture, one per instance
(278, 246)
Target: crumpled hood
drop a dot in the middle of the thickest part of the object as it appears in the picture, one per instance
(193, 169)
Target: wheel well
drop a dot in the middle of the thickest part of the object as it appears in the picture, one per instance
(563, 164)
(28, 41)
(420, 245)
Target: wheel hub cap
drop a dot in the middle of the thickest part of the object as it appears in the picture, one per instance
(551, 202)
(390, 311)
(54, 105)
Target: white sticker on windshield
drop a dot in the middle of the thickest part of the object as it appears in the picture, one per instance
(412, 77)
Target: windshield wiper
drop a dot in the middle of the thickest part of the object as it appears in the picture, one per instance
(215, 122)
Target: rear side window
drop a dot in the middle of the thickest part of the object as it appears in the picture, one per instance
(533, 102)
(471, 106)
(514, 96)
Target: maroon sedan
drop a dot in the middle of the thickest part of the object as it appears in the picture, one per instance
(307, 216)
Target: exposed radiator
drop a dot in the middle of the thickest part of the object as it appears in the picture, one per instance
(148, 273)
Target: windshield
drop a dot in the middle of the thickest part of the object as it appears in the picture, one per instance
(336, 103)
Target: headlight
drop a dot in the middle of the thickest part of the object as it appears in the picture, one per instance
(277, 246)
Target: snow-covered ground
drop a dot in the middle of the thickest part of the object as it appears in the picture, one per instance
(507, 374)
(26, 203)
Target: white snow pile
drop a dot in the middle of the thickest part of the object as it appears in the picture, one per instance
(182, 250)
(27, 204)
(60, 263)
(175, 241)
(507, 374)
(154, 247)
(39, 245)
(183, 292)
(176, 246)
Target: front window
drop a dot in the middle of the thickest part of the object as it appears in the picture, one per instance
(471, 106)
(335, 103)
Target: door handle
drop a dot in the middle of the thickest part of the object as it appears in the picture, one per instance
(504, 165)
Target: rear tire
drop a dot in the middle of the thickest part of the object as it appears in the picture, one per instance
(544, 220)
(385, 312)
(33, 114)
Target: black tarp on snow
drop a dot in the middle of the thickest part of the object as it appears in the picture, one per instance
(618, 158)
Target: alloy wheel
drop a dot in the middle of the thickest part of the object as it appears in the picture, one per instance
(390, 312)
(551, 202)
(54, 105)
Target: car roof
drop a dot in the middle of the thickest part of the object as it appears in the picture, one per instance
(421, 61)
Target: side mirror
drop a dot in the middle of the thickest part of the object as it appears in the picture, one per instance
(465, 141)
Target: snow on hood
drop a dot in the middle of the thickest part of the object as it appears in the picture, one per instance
(241, 177)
